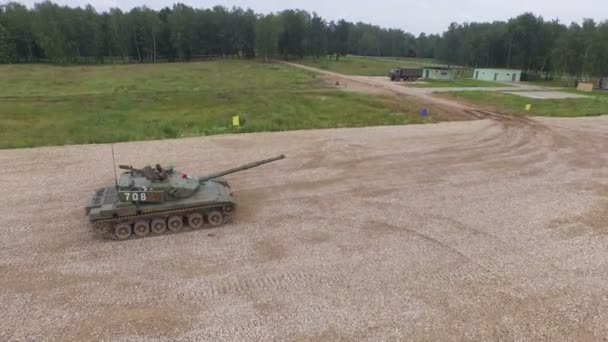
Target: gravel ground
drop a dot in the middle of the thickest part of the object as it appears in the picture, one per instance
(475, 230)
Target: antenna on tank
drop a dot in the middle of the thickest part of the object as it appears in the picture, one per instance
(114, 166)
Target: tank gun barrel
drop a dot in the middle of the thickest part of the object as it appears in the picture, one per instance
(130, 168)
(240, 168)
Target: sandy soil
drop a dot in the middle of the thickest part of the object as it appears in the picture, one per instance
(474, 230)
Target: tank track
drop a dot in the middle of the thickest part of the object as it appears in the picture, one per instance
(105, 227)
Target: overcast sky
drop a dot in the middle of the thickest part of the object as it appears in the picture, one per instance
(415, 16)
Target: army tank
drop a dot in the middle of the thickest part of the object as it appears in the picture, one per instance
(159, 200)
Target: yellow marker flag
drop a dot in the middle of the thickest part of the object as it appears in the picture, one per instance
(528, 107)
(236, 121)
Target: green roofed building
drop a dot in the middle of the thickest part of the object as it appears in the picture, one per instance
(438, 73)
(498, 75)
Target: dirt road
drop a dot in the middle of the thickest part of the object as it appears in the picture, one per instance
(377, 85)
(383, 80)
(477, 230)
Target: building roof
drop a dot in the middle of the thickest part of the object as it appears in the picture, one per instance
(501, 69)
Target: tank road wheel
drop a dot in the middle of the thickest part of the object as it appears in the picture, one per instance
(215, 218)
(141, 228)
(195, 220)
(102, 228)
(122, 231)
(228, 209)
(175, 223)
(158, 226)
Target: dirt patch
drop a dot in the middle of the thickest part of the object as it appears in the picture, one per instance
(137, 322)
(348, 84)
(270, 249)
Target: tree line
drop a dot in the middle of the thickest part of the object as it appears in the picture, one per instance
(181, 33)
(528, 42)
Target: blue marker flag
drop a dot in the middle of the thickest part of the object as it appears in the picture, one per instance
(424, 112)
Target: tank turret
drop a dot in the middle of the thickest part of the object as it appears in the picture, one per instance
(154, 200)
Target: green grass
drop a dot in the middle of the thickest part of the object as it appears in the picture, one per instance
(362, 66)
(554, 83)
(54, 105)
(596, 104)
(459, 82)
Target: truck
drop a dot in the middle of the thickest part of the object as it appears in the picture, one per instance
(405, 74)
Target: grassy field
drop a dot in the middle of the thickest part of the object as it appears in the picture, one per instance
(460, 82)
(597, 104)
(554, 83)
(362, 66)
(54, 105)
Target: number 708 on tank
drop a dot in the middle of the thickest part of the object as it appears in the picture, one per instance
(141, 196)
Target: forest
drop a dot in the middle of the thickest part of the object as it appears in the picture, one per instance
(48, 32)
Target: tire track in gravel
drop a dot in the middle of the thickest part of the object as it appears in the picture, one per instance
(524, 139)
(288, 280)
(534, 130)
(240, 331)
(284, 281)
(437, 242)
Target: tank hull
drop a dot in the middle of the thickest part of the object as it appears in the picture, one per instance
(213, 199)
